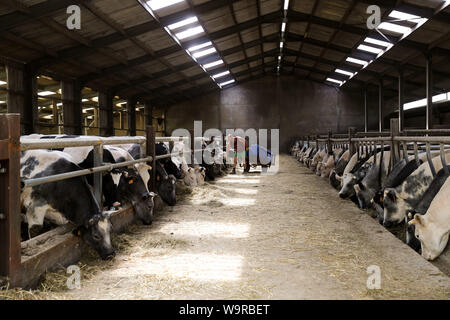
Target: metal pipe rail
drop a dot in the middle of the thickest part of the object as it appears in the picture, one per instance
(35, 144)
(79, 173)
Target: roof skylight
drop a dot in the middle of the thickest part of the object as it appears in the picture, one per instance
(335, 81)
(403, 16)
(226, 83)
(159, 4)
(213, 64)
(357, 61)
(203, 53)
(182, 23)
(394, 28)
(378, 42)
(363, 47)
(189, 32)
(222, 74)
(200, 46)
(347, 73)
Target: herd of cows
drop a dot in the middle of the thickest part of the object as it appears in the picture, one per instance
(72, 200)
(406, 193)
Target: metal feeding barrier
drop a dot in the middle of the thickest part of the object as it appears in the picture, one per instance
(24, 271)
(401, 144)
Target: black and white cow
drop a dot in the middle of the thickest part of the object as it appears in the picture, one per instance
(84, 157)
(422, 206)
(350, 179)
(397, 201)
(132, 187)
(171, 168)
(60, 202)
(165, 185)
(433, 228)
(339, 169)
(366, 189)
(402, 170)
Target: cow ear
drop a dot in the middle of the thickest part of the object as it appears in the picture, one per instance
(166, 177)
(418, 220)
(78, 231)
(391, 195)
(91, 222)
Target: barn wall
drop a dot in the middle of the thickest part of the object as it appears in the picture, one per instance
(296, 107)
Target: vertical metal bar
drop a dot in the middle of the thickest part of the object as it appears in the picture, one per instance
(429, 86)
(444, 162)
(98, 161)
(380, 104)
(150, 132)
(10, 251)
(405, 151)
(430, 161)
(416, 152)
(395, 132)
(401, 100)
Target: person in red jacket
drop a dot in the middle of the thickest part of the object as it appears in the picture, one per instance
(239, 147)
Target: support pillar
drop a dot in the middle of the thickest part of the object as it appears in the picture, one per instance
(71, 98)
(429, 86)
(131, 117)
(106, 115)
(22, 96)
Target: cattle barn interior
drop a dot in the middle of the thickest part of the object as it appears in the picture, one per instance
(105, 109)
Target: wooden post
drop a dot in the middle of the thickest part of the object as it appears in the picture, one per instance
(131, 116)
(150, 133)
(395, 132)
(351, 144)
(148, 114)
(329, 144)
(22, 96)
(71, 97)
(429, 86)
(106, 116)
(10, 251)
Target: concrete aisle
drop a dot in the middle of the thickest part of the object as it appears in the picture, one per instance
(283, 236)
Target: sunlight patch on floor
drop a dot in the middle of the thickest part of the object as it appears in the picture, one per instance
(204, 266)
(206, 228)
(238, 180)
(240, 190)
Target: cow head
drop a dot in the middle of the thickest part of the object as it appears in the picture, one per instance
(97, 233)
(364, 194)
(411, 239)
(348, 181)
(133, 189)
(433, 238)
(190, 178)
(200, 174)
(144, 171)
(167, 189)
(394, 208)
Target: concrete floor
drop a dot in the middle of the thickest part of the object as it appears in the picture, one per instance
(282, 236)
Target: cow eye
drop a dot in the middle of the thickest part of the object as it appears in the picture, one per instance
(96, 237)
(417, 236)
